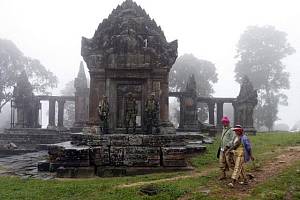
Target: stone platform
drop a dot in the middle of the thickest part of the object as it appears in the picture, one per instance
(30, 138)
(122, 154)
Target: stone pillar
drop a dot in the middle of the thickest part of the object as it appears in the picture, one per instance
(61, 105)
(219, 114)
(164, 101)
(36, 113)
(181, 114)
(166, 127)
(97, 90)
(51, 123)
(20, 117)
(235, 114)
(211, 112)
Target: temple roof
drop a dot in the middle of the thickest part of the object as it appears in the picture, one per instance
(127, 16)
(129, 32)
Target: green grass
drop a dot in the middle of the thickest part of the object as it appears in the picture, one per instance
(264, 146)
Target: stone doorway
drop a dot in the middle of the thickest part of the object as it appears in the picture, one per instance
(122, 91)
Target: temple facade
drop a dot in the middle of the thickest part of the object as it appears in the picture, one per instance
(128, 54)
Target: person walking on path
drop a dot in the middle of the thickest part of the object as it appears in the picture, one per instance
(225, 158)
(242, 154)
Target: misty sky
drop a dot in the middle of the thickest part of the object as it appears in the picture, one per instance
(51, 30)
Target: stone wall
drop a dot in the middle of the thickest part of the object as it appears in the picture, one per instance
(119, 154)
(30, 138)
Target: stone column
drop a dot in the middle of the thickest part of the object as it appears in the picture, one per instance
(211, 112)
(61, 105)
(51, 123)
(97, 90)
(36, 113)
(166, 127)
(164, 100)
(235, 114)
(219, 113)
(181, 114)
(20, 117)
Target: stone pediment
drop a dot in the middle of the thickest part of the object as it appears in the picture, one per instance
(128, 38)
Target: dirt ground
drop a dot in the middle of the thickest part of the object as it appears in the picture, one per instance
(271, 168)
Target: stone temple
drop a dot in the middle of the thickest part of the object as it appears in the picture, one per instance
(122, 121)
(128, 54)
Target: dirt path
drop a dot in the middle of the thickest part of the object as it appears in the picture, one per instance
(192, 174)
(271, 168)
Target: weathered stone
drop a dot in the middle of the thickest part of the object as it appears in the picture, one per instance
(117, 156)
(189, 116)
(119, 140)
(43, 166)
(100, 156)
(142, 156)
(110, 171)
(244, 106)
(174, 156)
(75, 172)
(66, 154)
(195, 148)
(81, 98)
(135, 140)
(174, 163)
(54, 166)
(128, 54)
(23, 101)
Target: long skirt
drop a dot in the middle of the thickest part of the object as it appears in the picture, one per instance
(239, 171)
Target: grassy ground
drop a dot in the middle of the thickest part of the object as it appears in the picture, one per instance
(265, 146)
(285, 186)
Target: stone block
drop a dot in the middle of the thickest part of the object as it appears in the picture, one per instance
(174, 156)
(75, 172)
(116, 156)
(118, 140)
(54, 166)
(110, 171)
(135, 140)
(156, 140)
(173, 153)
(43, 166)
(99, 156)
(163, 140)
(141, 156)
(174, 163)
(195, 148)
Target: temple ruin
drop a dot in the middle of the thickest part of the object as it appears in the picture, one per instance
(127, 56)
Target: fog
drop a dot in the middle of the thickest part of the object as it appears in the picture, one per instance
(51, 31)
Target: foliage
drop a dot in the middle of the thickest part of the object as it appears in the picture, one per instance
(260, 51)
(205, 75)
(12, 63)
